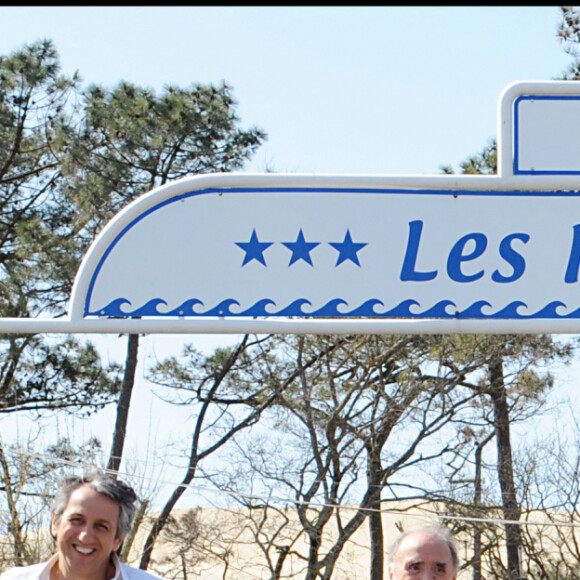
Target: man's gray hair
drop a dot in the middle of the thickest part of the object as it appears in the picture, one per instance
(103, 483)
(437, 532)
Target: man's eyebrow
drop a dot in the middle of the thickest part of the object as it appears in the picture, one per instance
(414, 562)
(99, 520)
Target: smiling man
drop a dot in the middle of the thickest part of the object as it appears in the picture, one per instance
(91, 516)
(424, 554)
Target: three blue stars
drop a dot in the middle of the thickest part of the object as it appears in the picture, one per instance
(347, 249)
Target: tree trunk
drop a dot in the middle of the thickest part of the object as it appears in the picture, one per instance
(14, 526)
(120, 432)
(511, 509)
(162, 518)
(375, 521)
(477, 502)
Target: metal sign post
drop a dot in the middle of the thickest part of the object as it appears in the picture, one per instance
(289, 253)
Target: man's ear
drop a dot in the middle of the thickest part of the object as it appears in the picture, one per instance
(118, 543)
(53, 526)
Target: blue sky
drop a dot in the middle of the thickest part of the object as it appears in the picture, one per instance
(386, 90)
(363, 90)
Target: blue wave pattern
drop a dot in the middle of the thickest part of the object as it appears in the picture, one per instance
(336, 308)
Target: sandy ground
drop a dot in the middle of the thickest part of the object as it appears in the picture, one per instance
(230, 536)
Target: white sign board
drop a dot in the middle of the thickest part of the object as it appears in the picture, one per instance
(334, 252)
(352, 254)
(547, 130)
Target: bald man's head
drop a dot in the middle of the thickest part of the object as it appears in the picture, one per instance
(428, 553)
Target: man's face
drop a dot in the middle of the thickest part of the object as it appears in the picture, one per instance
(422, 557)
(85, 534)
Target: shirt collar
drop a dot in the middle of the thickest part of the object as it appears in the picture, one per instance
(54, 559)
(115, 559)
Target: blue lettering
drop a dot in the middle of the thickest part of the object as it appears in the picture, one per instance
(456, 257)
(408, 272)
(513, 258)
(574, 260)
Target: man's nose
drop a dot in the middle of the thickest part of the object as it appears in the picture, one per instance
(86, 532)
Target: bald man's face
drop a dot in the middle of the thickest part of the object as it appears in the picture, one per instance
(422, 557)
